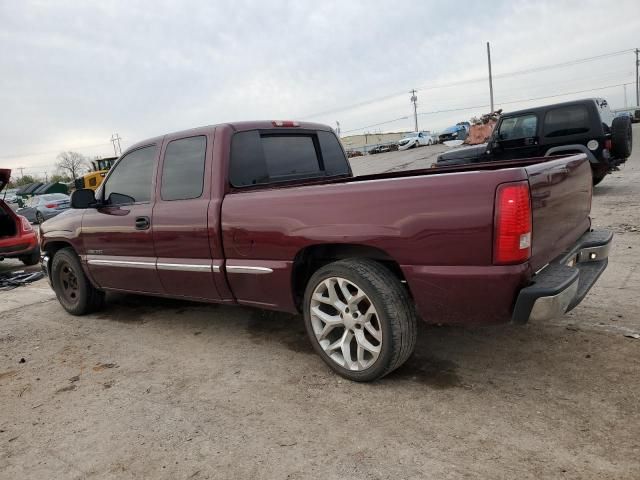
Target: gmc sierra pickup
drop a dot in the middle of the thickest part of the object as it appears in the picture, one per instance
(268, 214)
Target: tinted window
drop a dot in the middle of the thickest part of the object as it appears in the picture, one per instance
(131, 179)
(523, 126)
(183, 169)
(566, 121)
(262, 158)
(289, 155)
(247, 160)
(335, 162)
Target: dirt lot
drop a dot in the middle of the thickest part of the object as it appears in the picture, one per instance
(164, 389)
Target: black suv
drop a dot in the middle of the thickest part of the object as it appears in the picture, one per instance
(582, 126)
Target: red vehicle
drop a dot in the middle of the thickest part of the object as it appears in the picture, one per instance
(18, 239)
(268, 214)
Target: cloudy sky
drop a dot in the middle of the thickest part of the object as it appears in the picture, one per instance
(73, 73)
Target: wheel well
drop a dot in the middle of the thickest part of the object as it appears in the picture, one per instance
(310, 259)
(52, 247)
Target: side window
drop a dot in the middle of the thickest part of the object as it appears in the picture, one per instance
(183, 169)
(513, 128)
(569, 120)
(131, 179)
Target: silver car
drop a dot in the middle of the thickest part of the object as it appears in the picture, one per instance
(41, 207)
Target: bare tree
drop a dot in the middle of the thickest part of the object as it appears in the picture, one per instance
(71, 164)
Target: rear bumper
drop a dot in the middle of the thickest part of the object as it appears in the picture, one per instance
(562, 284)
(18, 246)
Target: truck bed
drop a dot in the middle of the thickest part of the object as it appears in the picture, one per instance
(437, 222)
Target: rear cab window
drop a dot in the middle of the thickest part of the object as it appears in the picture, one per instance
(262, 157)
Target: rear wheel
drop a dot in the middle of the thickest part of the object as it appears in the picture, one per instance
(74, 291)
(621, 137)
(39, 218)
(360, 319)
(598, 173)
(32, 259)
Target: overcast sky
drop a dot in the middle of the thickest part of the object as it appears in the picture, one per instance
(73, 73)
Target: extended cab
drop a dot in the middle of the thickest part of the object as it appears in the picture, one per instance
(581, 126)
(268, 214)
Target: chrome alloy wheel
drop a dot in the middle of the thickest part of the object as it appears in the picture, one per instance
(346, 324)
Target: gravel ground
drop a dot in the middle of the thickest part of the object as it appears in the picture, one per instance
(158, 389)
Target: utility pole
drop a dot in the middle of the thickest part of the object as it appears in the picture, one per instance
(46, 177)
(625, 95)
(414, 99)
(116, 138)
(490, 76)
(637, 78)
(21, 171)
(338, 129)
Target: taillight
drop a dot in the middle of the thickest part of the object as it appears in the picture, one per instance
(285, 123)
(607, 144)
(51, 205)
(26, 226)
(512, 224)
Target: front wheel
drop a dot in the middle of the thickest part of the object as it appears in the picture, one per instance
(72, 287)
(360, 319)
(39, 218)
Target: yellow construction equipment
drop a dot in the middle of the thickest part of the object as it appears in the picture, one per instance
(93, 178)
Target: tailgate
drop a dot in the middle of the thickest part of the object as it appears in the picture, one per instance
(561, 202)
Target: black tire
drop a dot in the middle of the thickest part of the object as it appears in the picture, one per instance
(598, 178)
(621, 137)
(76, 294)
(395, 313)
(598, 172)
(39, 218)
(32, 259)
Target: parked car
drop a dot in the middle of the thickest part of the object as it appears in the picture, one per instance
(459, 131)
(9, 195)
(42, 207)
(383, 148)
(17, 237)
(632, 113)
(415, 139)
(583, 126)
(268, 214)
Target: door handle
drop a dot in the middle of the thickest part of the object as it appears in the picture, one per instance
(142, 223)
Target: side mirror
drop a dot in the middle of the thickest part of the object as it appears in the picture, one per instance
(83, 198)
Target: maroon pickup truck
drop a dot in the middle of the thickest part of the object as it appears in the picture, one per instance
(269, 214)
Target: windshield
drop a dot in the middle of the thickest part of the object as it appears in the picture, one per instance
(410, 135)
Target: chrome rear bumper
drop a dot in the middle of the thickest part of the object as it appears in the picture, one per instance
(564, 283)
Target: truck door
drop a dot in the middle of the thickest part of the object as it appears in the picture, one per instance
(516, 137)
(118, 235)
(180, 217)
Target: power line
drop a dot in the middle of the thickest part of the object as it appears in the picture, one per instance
(54, 151)
(474, 80)
(509, 102)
